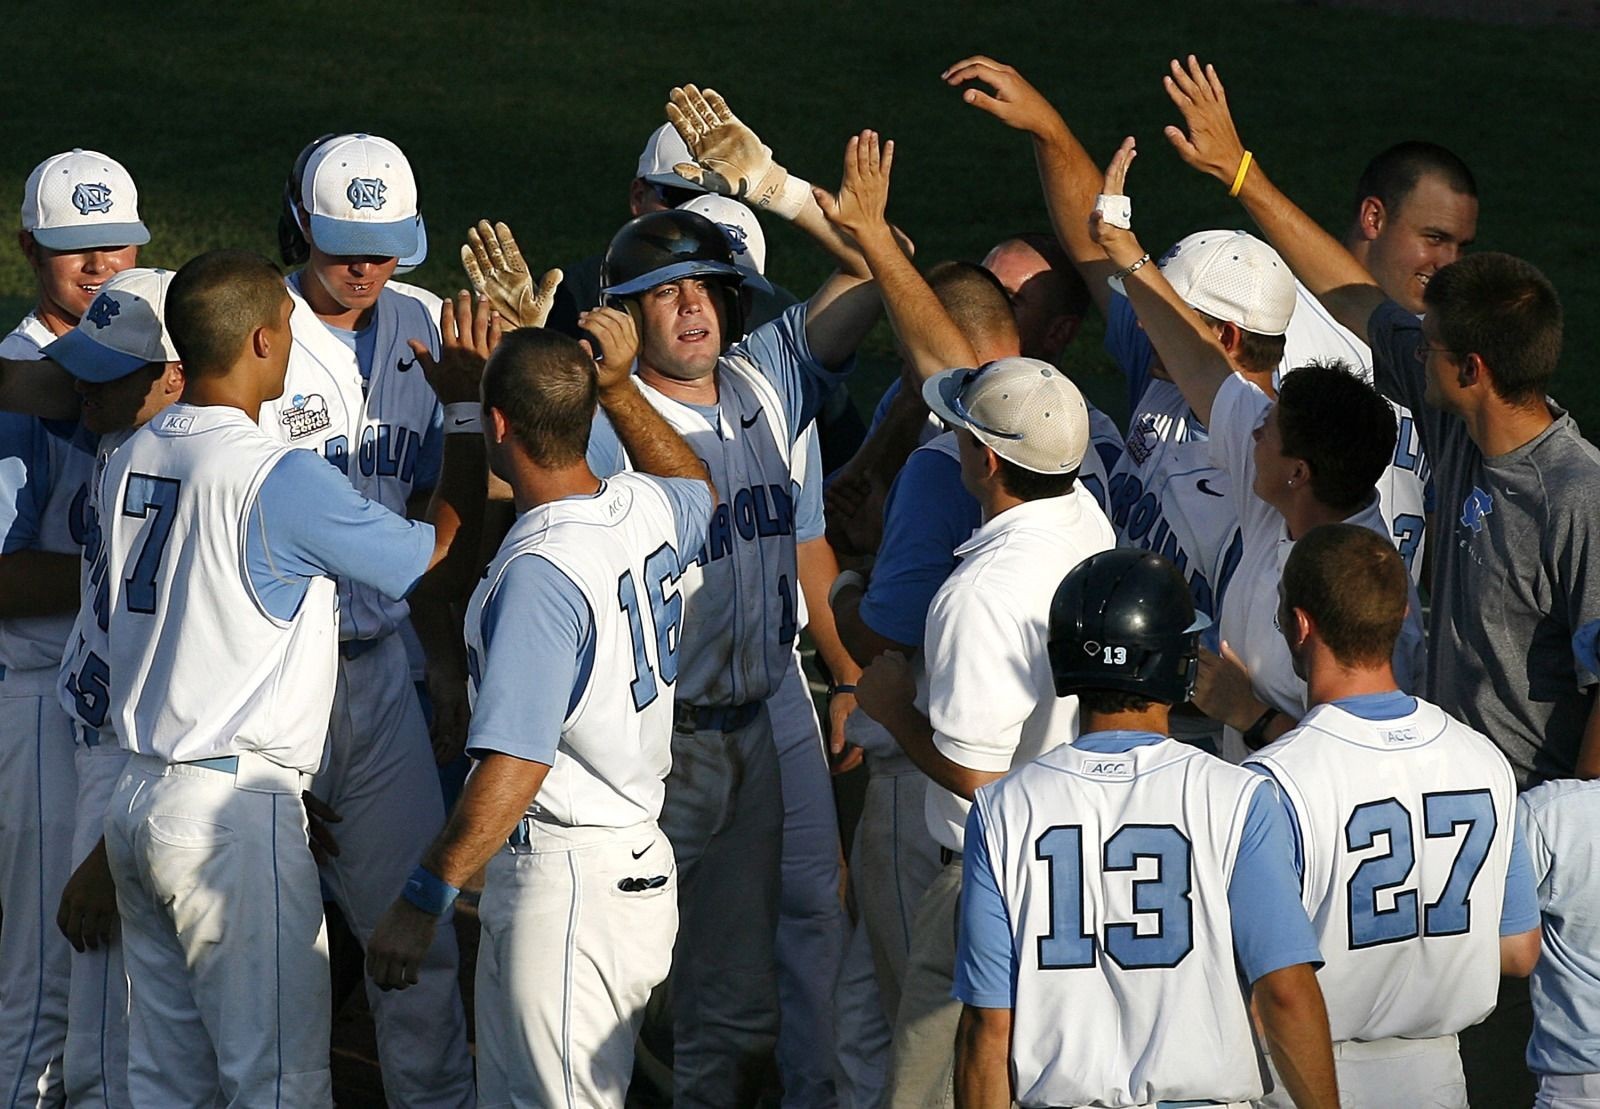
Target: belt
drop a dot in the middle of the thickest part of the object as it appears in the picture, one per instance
(228, 764)
(714, 718)
(351, 649)
(948, 856)
(522, 834)
(251, 772)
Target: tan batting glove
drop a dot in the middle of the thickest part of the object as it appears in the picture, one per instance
(495, 267)
(729, 158)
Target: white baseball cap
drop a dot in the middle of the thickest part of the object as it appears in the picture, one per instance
(1234, 277)
(360, 197)
(1026, 411)
(666, 149)
(82, 200)
(124, 328)
(740, 227)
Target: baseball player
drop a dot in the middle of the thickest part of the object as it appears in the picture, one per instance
(579, 909)
(80, 225)
(1412, 865)
(128, 372)
(742, 411)
(1559, 821)
(1314, 456)
(357, 398)
(221, 545)
(1131, 882)
(986, 703)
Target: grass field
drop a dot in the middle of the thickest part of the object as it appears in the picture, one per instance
(536, 113)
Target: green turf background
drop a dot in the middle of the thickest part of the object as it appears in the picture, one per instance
(536, 113)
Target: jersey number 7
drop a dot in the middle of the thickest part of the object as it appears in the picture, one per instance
(154, 500)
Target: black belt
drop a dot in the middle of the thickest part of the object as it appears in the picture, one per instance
(714, 718)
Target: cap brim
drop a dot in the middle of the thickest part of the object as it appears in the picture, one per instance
(673, 181)
(754, 279)
(412, 261)
(91, 236)
(87, 360)
(939, 393)
(400, 239)
(675, 272)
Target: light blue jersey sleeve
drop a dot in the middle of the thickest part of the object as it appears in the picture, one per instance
(691, 513)
(1270, 927)
(605, 454)
(430, 459)
(536, 621)
(927, 515)
(1128, 346)
(308, 521)
(986, 957)
(809, 522)
(1291, 816)
(780, 349)
(1520, 911)
(24, 481)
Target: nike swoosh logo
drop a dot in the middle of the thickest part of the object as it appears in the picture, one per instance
(751, 422)
(403, 365)
(640, 853)
(462, 423)
(1204, 485)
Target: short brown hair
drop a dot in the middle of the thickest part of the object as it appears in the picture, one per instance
(1506, 312)
(1257, 353)
(1340, 427)
(975, 300)
(1352, 582)
(214, 303)
(545, 385)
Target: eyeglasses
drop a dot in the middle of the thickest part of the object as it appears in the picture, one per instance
(1423, 352)
(959, 407)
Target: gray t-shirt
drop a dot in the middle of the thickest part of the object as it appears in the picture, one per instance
(1516, 570)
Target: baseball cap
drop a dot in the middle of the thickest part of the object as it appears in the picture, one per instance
(123, 329)
(1234, 277)
(1026, 411)
(666, 149)
(82, 200)
(740, 227)
(361, 198)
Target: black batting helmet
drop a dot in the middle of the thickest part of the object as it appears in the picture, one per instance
(1123, 620)
(659, 247)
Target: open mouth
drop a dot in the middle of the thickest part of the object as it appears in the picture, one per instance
(693, 335)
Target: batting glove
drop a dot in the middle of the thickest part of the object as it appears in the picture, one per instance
(729, 158)
(495, 267)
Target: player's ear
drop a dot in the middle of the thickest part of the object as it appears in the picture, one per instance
(1231, 335)
(1370, 218)
(1472, 369)
(28, 247)
(499, 426)
(1304, 626)
(172, 379)
(1063, 329)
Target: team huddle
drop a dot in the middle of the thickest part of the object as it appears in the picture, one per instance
(1178, 794)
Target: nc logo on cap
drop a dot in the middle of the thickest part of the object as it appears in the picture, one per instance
(736, 236)
(365, 192)
(103, 309)
(88, 198)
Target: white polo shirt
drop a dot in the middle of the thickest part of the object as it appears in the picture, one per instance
(989, 693)
(1249, 623)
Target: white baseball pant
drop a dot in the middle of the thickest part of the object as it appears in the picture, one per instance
(922, 1060)
(724, 816)
(1568, 1091)
(1425, 1074)
(223, 936)
(97, 998)
(861, 1030)
(381, 780)
(578, 926)
(810, 939)
(38, 787)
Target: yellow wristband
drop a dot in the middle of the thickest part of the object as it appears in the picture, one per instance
(1238, 178)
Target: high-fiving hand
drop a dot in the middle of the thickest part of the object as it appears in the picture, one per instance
(495, 267)
(468, 334)
(728, 157)
(1013, 102)
(863, 197)
(1212, 144)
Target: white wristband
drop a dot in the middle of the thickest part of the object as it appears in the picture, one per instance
(463, 418)
(781, 193)
(1115, 211)
(845, 580)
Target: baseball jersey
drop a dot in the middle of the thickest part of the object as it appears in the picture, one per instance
(1249, 621)
(738, 641)
(1314, 335)
(1165, 494)
(1105, 441)
(83, 685)
(1125, 882)
(987, 685)
(584, 593)
(1404, 823)
(1560, 823)
(362, 400)
(1511, 590)
(221, 623)
(43, 482)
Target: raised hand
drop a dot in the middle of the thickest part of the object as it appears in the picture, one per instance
(728, 157)
(1013, 102)
(618, 337)
(863, 197)
(468, 334)
(495, 267)
(1105, 227)
(1212, 143)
